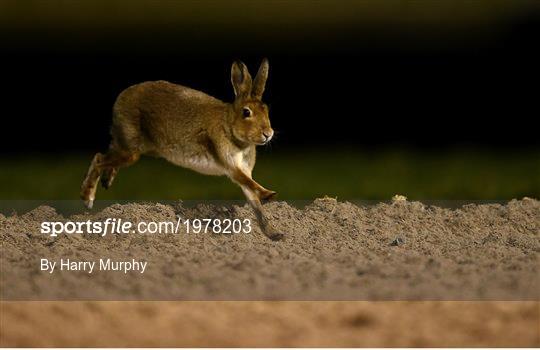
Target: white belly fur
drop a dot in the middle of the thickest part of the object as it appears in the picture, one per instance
(200, 163)
(205, 164)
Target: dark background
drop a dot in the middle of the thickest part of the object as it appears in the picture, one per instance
(416, 74)
(429, 99)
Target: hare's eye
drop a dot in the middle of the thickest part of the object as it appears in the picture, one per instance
(246, 112)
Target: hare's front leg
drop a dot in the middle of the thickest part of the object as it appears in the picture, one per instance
(253, 192)
(243, 179)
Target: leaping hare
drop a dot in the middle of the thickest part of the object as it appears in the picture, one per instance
(191, 129)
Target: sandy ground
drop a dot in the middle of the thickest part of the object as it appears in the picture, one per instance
(270, 324)
(333, 251)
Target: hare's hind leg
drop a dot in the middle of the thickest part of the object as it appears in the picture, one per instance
(89, 185)
(107, 166)
(107, 177)
(112, 162)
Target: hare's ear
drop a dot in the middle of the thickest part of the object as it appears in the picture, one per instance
(260, 80)
(241, 79)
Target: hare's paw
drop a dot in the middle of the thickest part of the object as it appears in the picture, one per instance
(275, 236)
(107, 177)
(272, 233)
(88, 203)
(88, 196)
(267, 195)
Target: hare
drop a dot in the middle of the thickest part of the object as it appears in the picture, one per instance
(191, 129)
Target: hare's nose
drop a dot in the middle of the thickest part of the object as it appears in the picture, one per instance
(268, 134)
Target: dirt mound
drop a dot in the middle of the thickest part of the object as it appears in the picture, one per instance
(332, 251)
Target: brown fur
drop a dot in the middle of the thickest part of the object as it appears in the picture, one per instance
(191, 129)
